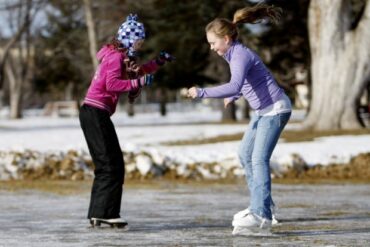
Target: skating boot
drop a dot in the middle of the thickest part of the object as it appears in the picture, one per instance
(252, 225)
(241, 214)
(114, 223)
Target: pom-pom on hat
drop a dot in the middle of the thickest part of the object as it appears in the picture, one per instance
(129, 32)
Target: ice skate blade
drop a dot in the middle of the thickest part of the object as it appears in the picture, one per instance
(234, 223)
(98, 223)
(245, 231)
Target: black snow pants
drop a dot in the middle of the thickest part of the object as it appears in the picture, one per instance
(107, 157)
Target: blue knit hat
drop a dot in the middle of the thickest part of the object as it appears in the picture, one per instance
(129, 32)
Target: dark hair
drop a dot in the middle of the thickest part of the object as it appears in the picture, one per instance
(224, 27)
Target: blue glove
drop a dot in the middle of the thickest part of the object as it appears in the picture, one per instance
(145, 80)
(164, 57)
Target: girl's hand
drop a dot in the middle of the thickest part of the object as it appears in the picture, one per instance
(227, 101)
(164, 57)
(134, 67)
(193, 92)
(131, 66)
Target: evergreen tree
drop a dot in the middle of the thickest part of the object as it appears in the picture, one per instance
(178, 27)
(63, 59)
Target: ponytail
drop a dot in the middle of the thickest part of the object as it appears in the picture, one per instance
(257, 13)
(224, 27)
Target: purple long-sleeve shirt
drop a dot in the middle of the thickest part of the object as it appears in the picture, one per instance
(249, 78)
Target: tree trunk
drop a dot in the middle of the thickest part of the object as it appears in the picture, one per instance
(130, 110)
(340, 64)
(8, 46)
(245, 110)
(19, 70)
(229, 114)
(1, 98)
(162, 95)
(368, 95)
(68, 92)
(15, 86)
(91, 32)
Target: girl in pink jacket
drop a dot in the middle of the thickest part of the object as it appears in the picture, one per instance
(117, 73)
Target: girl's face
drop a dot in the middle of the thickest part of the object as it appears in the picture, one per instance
(138, 44)
(218, 44)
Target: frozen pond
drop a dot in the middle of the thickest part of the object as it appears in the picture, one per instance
(172, 214)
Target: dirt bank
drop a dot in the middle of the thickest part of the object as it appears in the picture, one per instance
(358, 168)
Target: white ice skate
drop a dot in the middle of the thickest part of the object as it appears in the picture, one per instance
(245, 212)
(252, 225)
(114, 223)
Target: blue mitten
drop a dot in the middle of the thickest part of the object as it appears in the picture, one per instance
(164, 57)
(145, 80)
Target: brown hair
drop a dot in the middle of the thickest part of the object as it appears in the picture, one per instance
(117, 45)
(128, 62)
(224, 27)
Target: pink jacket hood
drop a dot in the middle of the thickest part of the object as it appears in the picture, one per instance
(104, 51)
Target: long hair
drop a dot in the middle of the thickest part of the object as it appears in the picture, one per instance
(224, 27)
(117, 45)
(128, 62)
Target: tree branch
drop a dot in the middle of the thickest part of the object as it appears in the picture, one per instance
(91, 31)
(7, 48)
(25, 24)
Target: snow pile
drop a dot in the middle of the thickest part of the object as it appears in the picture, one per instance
(288, 163)
(77, 165)
(53, 165)
(159, 146)
(150, 163)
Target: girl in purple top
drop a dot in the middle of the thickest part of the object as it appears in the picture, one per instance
(116, 74)
(251, 79)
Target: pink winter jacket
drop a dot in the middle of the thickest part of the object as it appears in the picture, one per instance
(110, 79)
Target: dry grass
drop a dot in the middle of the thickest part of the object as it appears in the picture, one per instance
(61, 187)
(320, 181)
(310, 135)
(68, 187)
(288, 136)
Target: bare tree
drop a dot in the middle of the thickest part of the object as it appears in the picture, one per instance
(340, 63)
(18, 62)
(91, 31)
(5, 50)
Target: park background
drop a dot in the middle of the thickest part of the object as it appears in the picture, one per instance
(318, 52)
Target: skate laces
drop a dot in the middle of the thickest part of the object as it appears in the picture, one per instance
(263, 223)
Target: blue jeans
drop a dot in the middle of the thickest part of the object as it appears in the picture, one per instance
(255, 151)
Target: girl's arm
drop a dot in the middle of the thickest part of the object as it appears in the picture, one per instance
(114, 83)
(153, 65)
(235, 97)
(239, 67)
(149, 67)
(227, 101)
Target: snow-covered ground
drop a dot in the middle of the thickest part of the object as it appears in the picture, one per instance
(148, 132)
